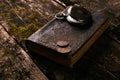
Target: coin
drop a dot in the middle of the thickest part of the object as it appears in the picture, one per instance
(62, 43)
(64, 50)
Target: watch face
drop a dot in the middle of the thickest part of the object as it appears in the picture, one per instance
(79, 15)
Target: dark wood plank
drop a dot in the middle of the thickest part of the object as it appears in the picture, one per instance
(15, 64)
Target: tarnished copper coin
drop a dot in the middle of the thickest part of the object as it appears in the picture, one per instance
(64, 50)
(62, 43)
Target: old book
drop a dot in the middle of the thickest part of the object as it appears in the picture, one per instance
(64, 43)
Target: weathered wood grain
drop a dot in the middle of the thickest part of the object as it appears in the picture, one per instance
(97, 5)
(32, 23)
(15, 64)
(20, 19)
(46, 8)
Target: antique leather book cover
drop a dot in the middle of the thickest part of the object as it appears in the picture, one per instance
(44, 41)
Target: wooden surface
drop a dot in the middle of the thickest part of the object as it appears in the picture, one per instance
(18, 17)
(101, 62)
(15, 64)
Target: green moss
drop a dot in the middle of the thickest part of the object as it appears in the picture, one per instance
(22, 21)
(23, 32)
